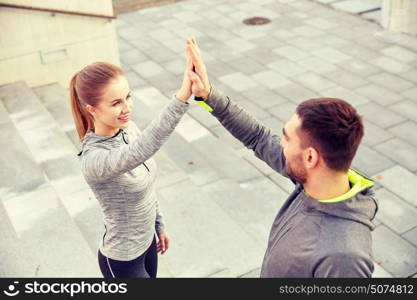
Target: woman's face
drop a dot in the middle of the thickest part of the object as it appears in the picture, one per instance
(113, 111)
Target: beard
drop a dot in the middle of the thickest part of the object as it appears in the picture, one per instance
(296, 170)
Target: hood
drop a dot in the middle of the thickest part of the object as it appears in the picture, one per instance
(358, 204)
(91, 139)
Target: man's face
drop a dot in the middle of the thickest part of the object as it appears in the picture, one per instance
(291, 143)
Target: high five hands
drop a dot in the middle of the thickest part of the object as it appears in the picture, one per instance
(195, 79)
(198, 75)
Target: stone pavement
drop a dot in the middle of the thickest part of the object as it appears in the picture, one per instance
(218, 199)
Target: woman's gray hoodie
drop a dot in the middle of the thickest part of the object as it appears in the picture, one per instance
(309, 238)
(121, 173)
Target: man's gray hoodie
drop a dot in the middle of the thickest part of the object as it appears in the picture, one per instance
(308, 238)
(121, 173)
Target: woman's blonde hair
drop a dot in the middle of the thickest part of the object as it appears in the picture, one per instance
(87, 87)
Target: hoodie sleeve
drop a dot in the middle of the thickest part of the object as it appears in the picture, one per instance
(344, 265)
(248, 130)
(159, 222)
(99, 164)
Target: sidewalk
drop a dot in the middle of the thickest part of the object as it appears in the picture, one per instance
(307, 50)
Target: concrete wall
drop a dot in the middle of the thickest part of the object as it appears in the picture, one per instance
(40, 47)
(400, 15)
(122, 6)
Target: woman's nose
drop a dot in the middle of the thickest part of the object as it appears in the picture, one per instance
(127, 108)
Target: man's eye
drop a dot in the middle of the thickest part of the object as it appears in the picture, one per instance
(129, 96)
(116, 103)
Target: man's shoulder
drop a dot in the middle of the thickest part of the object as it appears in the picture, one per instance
(344, 236)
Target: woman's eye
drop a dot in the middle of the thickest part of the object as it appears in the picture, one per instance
(116, 103)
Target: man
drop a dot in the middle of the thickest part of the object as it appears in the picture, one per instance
(324, 227)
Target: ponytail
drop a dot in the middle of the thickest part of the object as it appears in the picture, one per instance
(83, 121)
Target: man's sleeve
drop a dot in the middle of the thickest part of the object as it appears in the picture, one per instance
(247, 129)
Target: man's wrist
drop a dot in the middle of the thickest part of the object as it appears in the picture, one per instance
(204, 96)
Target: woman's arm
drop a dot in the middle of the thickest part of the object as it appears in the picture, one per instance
(99, 164)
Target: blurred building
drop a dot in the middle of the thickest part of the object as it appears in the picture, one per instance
(46, 41)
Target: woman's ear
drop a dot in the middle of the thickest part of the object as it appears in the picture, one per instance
(91, 110)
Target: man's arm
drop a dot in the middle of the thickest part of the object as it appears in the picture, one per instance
(238, 122)
(248, 130)
(344, 265)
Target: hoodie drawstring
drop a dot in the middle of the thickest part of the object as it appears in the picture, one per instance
(124, 138)
(127, 142)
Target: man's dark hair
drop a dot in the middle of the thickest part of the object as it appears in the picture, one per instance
(333, 127)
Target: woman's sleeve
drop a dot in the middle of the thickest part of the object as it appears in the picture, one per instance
(159, 223)
(98, 164)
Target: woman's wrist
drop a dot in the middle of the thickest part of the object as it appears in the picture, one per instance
(182, 96)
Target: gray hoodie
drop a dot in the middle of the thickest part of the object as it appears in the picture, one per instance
(121, 173)
(308, 238)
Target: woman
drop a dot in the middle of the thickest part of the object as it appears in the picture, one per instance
(116, 161)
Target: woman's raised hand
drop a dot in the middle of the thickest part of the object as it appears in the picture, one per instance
(184, 93)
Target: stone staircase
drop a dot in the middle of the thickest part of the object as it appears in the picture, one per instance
(219, 201)
(39, 181)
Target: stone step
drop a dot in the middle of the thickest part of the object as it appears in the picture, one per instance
(51, 149)
(49, 242)
(45, 193)
(204, 238)
(36, 125)
(56, 99)
(14, 262)
(19, 172)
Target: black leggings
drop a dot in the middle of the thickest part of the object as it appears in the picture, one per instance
(144, 266)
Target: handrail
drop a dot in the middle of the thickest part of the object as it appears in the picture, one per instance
(53, 10)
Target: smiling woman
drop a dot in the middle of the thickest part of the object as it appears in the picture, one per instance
(87, 88)
(116, 161)
(113, 112)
